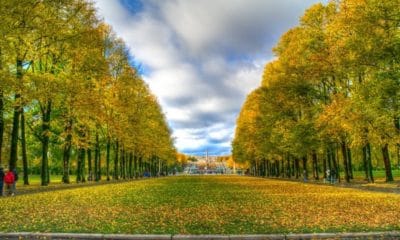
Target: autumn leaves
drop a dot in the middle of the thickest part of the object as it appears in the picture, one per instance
(331, 98)
(202, 205)
(67, 73)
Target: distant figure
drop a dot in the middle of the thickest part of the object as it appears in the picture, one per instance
(305, 175)
(9, 180)
(328, 175)
(2, 175)
(15, 181)
(90, 178)
(333, 176)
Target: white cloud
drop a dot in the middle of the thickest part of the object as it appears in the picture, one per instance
(203, 57)
(189, 141)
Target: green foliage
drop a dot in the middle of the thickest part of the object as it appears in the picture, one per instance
(76, 83)
(334, 83)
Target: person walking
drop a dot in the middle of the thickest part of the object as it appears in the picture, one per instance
(328, 176)
(9, 181)
(333, 176)
(14, 186)
(305, 175)
(1, 180)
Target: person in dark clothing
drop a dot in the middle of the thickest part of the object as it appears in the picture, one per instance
(14, 187)
(1, 180)
(333, 176)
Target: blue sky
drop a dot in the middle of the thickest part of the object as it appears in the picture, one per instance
(201, 58)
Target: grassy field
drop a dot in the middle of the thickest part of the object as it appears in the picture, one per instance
(54, 179)
(202, 205)
(34, 180)
(378, 174)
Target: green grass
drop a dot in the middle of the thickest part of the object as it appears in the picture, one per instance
(378, 174)
(201, 205)
(35, 179)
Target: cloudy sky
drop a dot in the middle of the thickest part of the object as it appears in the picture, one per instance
(201, 58)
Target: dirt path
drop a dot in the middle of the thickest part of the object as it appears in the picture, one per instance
(378, 186)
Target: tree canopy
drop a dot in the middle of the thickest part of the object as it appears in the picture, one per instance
(68, 78)
(331, 95)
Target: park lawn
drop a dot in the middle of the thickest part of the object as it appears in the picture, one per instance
(55, 183)
(379, 175)
(202, 205)
(35, 179)
(54, 179)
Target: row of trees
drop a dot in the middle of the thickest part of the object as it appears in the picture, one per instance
(330, 99)
(68, 92)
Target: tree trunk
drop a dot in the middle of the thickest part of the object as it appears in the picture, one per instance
(78, 165)
(121, 162)
(1, 113)
(96, 158)
(80, 173)
(335, 165)
(1, 122)
(126, 164)
(305, 170)
(80, 176)
(46, 113)
(16, 118)
(386, 160)
(130, 170)
(155, 167)
(324, 166)
(135, 169)
(297, 165)
(23, 146)
(90, 169)
(277, 168)
(293, 167)
(83, 173)
(345, 162)
(140, 166)
(67, 151)
(315, 165)
(108, 158)
(329, 158)
(398, 156)
(350, 162)
(115, 174)
(397, 126)
(99, 173)
(367, 163)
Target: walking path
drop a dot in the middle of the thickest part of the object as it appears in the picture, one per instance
(64, 236)
(378, 186)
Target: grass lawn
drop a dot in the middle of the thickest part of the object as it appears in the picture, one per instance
(202, 205)
(54, 179)
(378, 174)
(35, 179)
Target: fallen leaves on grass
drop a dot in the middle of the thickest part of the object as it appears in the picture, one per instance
(202, 205)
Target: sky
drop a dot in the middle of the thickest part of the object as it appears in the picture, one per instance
(201, 58)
